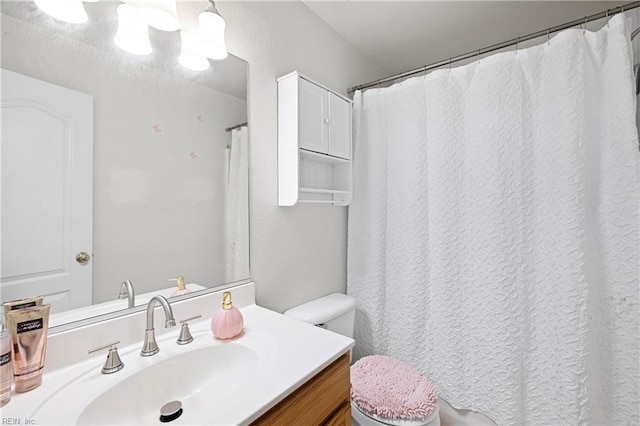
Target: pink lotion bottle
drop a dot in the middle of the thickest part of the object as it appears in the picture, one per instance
(6, 371)
(227, 323)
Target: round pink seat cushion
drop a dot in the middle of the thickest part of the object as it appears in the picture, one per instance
(392, 389)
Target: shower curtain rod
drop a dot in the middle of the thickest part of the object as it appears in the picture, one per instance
(237, 126)
(488, 49)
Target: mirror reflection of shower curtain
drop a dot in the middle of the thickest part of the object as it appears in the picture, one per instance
(237, 207)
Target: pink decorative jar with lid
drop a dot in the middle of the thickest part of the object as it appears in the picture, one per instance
(227, 322)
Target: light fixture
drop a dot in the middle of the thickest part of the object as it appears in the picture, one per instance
(133, 34)
(71, 11)
(211, 33)
(190, 57)
(160, 14)
(134, 19)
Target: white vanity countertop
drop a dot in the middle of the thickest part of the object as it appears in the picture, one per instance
(296, 352)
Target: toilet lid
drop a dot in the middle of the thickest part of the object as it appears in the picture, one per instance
(388, 389)
(358, 415)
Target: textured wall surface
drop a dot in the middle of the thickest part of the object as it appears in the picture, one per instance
(297, 253)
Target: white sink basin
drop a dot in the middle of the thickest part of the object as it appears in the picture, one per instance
(138, 398)
(218, 382)
(206, 376)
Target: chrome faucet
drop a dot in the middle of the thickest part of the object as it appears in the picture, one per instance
(127, 292)
(150, 347)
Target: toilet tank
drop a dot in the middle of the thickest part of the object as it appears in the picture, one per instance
(335, 312)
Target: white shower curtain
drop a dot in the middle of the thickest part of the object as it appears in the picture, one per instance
(494, 230)
(237, 206)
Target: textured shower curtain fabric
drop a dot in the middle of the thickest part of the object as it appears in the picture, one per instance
(493, 237)
(237, 207)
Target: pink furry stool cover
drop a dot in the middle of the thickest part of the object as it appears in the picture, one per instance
(388, 388)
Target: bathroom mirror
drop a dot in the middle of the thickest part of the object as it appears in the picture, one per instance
(169, 177)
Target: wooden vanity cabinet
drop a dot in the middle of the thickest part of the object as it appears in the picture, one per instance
(323, 400)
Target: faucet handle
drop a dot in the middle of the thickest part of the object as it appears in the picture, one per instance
(184, 321)
(113, 362)
(185, 335)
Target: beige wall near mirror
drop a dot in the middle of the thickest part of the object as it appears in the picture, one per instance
(163, 203)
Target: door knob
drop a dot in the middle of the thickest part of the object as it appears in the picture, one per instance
(83, 257)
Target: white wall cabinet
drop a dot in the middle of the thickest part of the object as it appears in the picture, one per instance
(314, 143)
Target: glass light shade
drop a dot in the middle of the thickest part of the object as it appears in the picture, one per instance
(190, 56)
(133, 34)
(71, 11)
(160, 14)
(211, 35)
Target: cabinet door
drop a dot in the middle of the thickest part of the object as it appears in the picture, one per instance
(323, 399)
(313, 118)
(342, 417)
(339, 127)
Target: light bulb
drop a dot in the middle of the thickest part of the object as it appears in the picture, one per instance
(133, 34)
(211, 34)
(190, 57)
(71, 11)
(160, 14)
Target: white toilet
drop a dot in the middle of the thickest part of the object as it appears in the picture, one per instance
(336, 312)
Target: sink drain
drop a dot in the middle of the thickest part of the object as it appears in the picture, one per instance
(170, 411)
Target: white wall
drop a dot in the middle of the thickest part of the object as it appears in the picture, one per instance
(297, 253)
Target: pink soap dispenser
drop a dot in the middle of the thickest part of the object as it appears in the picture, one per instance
(227, 322)
(181, 287)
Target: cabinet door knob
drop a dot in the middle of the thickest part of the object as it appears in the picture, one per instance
(326, 121)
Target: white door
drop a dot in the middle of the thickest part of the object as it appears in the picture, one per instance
(47, 184)
(313, 117)
(339, 127)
